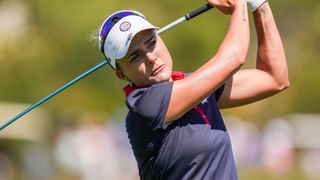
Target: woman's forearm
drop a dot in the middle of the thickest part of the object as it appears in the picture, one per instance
(228, 59)
(271, 55)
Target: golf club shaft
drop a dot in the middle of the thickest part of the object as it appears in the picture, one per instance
(54, 93)
(186, 17)
(90, 71)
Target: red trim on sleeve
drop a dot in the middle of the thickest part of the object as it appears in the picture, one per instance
(203, 116)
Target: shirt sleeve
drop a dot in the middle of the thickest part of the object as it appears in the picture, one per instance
(218, 92)
(150, 104)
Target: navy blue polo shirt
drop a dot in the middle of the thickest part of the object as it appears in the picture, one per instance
(196, 146)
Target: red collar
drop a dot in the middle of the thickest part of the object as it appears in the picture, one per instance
(175, 76)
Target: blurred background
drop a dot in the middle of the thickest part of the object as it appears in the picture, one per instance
(80, 133)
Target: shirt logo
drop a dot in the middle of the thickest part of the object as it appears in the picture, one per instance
(125, 26)
(204, 101)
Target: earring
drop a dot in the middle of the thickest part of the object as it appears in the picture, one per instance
(130, 83)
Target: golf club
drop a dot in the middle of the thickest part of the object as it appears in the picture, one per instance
(187, 17)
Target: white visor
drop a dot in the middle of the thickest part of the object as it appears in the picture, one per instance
(120, 36)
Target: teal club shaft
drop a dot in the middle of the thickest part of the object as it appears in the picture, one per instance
(54, 93)
(187, 17)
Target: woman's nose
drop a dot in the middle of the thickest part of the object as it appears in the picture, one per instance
(151, 58)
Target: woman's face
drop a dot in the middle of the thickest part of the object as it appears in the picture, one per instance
(147, 62)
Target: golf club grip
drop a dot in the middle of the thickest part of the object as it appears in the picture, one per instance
(198, 11)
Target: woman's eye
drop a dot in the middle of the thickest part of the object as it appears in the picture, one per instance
(134, 57)
(152, 43)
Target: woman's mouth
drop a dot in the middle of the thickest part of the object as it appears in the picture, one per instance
(157, 70)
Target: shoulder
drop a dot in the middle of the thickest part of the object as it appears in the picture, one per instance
(148, 106)
(153, 96)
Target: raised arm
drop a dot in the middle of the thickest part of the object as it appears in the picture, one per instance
(270, 75)
(188, 92)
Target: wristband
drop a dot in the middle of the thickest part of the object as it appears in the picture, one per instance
(255, 4)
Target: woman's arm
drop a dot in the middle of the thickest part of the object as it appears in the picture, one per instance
(188, 92)
(270, 75)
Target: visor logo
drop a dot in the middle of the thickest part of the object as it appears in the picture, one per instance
(125, 26)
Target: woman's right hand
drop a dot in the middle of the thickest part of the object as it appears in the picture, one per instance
(225, 6)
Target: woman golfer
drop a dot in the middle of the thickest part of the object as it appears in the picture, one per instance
(174, 124)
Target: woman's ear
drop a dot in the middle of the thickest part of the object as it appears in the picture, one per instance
(122, 76)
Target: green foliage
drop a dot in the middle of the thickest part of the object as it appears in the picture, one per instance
(58, 46)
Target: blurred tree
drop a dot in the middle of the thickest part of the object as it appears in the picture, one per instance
(53, 44)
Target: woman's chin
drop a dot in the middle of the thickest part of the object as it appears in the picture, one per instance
(161, 77)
